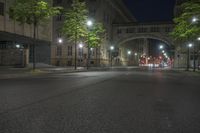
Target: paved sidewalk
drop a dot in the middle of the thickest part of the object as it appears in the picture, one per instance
(8, 73)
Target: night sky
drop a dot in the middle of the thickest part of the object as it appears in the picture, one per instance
(151, 10)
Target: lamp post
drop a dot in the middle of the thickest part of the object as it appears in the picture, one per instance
(194, 21)
(89, 25)
(129, 53)
(81, 52)
(136, 58)
(188, 57)
(161, 47)
(60, 41)
(198, 40)
(111, 58)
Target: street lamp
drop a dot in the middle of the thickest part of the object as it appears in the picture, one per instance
(188, 57)
(60, 40)
(194, 19)
(129, 52)
(198, 39)
(161, 46)
(81, 52)
(111, 58)
(89, 24)
(112, 47)
(80, 45)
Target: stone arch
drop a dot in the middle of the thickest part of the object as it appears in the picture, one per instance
(164, 38)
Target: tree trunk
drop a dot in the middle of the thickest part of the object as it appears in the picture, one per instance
(188, 59)
(75, 63)
(88, 58)
(34, 43)
(194, 62)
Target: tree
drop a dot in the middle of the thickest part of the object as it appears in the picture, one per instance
(74, 27)
(95, 37)
(188, 23)
(32, 12)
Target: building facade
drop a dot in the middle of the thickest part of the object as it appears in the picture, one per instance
(103, 11)
(16, 40)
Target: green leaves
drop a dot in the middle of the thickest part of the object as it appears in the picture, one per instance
(74, 26)
(185, 28)
(96, 35)
(32, 11)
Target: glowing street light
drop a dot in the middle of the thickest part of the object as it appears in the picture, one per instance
(194, 19)
(163, 51)
(17, 46)
(129, 52)
(136, 54)
(112, 47)
(190, 45)
(198, 38)
(89, 23)
(80, 45)
(161, 46)
(60, 40)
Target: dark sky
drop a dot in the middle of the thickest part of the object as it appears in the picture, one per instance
(151, 10)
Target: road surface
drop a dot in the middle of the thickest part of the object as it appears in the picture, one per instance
(125, 101)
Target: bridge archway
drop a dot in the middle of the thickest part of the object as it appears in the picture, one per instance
(164, 39)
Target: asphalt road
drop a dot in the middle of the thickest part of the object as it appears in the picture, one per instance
(125, 101)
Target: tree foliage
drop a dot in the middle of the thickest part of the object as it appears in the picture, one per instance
(32, 11)
(185, 29)
(96, 35)
(74, 27)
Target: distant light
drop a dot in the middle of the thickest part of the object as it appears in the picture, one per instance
(190, 45)
(89, 23)
(163, 51)
(60, 40)
(161, 47)
(112, 47)
(136, 54)
(129, 52)
(17, 46)
(91, 49)
(198, 38)
(148, 58)
(80, 45)
(194, 19)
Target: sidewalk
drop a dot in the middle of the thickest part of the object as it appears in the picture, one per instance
(8, 73)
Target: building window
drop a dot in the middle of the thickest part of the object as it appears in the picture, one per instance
(59, 51)
(1, 9)
(69, 49)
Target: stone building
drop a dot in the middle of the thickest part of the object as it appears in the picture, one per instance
(16, 40)
(104, 11)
